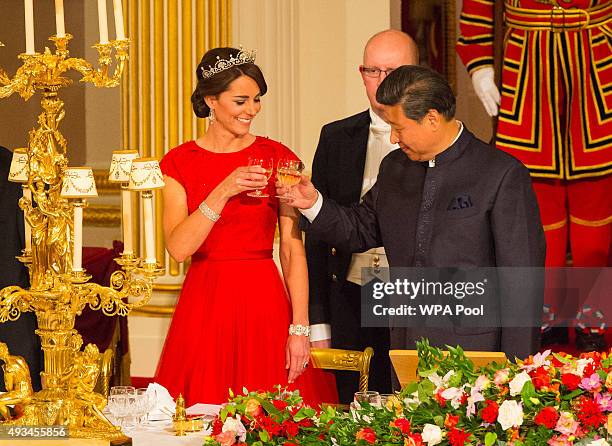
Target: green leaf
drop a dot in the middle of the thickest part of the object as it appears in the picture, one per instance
(264, 436)
(490, 438)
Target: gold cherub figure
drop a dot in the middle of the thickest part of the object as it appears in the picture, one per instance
(16, 380)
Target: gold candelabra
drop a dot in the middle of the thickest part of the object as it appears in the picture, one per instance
(59, 290)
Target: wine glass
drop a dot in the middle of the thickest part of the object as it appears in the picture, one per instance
(150, 400)
(268, 165)
(120, 402)
(289, 173)
(370, 396)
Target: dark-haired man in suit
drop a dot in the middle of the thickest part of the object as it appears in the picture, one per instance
(445, 199)
(345, 167)
(19, 335)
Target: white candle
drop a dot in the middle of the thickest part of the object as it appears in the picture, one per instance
(27, 193)
(147, 203)
(77, 253)
(59, 19)
(126, 210)
(29, 25)
(118, 10)
(102, 21)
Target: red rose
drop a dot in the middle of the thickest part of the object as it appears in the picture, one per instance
(540, 378)
(402, 424)
(306, 422)
(489, 412)
(366, 434)
(547, 417)
(290, 443)
(279, 404)
(458, 437)
(570, 381)
(217, 426)
(291, 428)
(416, 438)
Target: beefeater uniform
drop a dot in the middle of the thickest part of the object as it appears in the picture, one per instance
(556, 111)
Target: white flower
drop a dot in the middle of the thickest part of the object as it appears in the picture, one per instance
(432, 434)
(581, 365)
(517, 383)
(235, 425)
(482, 382)
(539, 360)
(475, 397)
(413, 398)
(454, 395)
(440, 382)
(510, 414)
(600, 442)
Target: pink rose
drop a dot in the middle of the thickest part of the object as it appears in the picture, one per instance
(227, 438)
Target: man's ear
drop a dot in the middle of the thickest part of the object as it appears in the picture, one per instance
(433, 119)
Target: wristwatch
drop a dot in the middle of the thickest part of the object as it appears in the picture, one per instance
(299, 330)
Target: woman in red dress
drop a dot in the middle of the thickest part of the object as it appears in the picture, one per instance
(231, 325)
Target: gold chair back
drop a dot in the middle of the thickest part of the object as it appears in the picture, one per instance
(106, 372)
(352, 360)
(405, 362)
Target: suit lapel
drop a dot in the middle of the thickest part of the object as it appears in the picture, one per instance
(355, 154)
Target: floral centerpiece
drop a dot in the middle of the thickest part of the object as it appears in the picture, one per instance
(546, 399)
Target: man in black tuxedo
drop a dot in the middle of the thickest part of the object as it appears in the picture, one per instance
(445, 199)
(19, 335)
(345, 167)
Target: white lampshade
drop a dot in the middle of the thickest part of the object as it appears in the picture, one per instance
(145, 174)
(78, 182)
(19, 172)
(121, 165)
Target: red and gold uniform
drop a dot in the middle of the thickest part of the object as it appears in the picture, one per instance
(556, 111)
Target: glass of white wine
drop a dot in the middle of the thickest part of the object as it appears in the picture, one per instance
(289, 173)
(268, 165)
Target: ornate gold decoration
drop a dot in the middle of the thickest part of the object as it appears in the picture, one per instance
(104, 185)
(179, 421)
(102, 215)
(57, 293)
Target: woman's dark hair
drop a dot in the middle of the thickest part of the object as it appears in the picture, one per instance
(219, 82)
(418, 90)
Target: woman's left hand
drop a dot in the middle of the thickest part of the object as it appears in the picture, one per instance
(298, 354)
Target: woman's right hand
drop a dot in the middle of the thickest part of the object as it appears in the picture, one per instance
(242, 179)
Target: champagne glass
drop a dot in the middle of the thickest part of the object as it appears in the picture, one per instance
(268, 165)
(289, 173)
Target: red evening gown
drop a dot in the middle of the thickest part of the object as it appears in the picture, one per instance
(231, 322)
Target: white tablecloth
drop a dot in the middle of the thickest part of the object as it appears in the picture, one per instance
(161, 433)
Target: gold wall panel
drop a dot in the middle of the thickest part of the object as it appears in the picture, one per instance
(168, 39)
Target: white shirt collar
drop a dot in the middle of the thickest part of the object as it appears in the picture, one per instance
(377, 123)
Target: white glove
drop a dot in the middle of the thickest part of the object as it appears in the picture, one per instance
(483, 80)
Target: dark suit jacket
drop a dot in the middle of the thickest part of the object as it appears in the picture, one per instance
(337, 171)
(19, 335)
(410, 212)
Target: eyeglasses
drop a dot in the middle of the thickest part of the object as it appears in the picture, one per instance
(374, 71)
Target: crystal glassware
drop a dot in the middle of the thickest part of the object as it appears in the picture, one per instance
(289, 173)
(268, 165)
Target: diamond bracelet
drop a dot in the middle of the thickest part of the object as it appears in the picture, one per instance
(208, 212)
(299, 330)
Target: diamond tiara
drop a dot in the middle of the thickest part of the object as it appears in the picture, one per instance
(243, 56)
